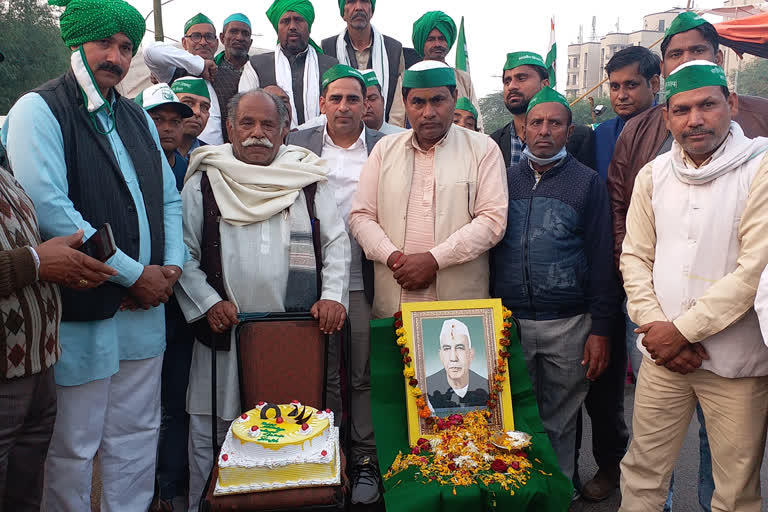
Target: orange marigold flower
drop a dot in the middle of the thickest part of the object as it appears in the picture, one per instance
(424, 412)
(504, 342)
(421, 403)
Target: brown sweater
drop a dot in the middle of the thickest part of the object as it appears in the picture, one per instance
(30, 311)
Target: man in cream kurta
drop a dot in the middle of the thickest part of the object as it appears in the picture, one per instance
(257, 185)
(431, 201)
(692, 257)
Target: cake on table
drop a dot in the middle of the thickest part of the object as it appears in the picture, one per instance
(274, 447)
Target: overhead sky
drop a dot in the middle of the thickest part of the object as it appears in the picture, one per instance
(493, 28)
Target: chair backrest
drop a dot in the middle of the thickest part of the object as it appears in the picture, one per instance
(282, 360)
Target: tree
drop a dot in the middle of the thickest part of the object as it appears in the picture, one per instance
(33, 49)
(495, 113)
(582, 114)
(752, 79)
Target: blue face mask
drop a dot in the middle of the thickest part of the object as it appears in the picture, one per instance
(545, 161)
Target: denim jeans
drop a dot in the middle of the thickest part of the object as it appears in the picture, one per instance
(706, 482)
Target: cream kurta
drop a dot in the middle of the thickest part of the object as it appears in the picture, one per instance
(693, 254)
(463, 86)
(255, 267)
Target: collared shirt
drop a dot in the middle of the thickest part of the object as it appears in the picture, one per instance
(516, 148)
(92, 350)
(346, 164)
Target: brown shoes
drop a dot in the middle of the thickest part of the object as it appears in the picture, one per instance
(603, 484)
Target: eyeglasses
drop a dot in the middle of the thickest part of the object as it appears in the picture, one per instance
(197, 36)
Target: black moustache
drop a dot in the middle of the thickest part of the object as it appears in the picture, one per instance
(110, 68)
(693, 133)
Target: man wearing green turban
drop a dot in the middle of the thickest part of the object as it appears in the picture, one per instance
(87, 157)
(297, 64)
(698, 210)
(167, 63)
(433, 36)
(362, 46)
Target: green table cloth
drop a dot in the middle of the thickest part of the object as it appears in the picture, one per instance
(549, 492)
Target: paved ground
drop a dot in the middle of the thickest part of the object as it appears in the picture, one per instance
(685, 477)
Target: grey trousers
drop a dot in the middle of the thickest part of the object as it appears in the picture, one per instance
(553, 352)
(363, 442)
(27, 415)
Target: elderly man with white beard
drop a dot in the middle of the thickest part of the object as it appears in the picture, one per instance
(249, 211)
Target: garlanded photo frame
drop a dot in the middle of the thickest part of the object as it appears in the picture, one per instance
(457, 348)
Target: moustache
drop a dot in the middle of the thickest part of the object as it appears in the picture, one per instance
(258, 141)
(359, 14)
(698, 131)
(110, 68)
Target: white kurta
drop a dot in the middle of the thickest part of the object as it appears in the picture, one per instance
(163, 60)
(255, 267)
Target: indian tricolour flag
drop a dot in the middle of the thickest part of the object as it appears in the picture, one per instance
(551, 54)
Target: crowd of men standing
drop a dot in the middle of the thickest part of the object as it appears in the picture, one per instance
(337, 180)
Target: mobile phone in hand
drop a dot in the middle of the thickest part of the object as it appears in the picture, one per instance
(101, 245)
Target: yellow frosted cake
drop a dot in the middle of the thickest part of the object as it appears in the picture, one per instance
(279, 447)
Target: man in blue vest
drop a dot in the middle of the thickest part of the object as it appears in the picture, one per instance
(87, 156)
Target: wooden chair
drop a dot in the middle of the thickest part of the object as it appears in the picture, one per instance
(283, 357)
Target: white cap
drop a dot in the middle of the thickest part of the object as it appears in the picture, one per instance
(161, 94)
(452, 328)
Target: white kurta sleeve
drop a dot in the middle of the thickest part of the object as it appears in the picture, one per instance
(249, 80)
(193, 292)
(761, 304)
(335, 246)
(162, 60)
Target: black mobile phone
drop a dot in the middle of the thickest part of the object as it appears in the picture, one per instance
(101, 245)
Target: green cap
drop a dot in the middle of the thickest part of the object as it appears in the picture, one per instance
(196, 20)
(427, 74)
(692, 75)
(159, 95)
(342, 3)
(238, 16)
(342, 71)
(84, 21)
(191, 85)
(428, 22)
(516, 59)
(465, 104)
(547, 95)
(371, 78)
(684, 22)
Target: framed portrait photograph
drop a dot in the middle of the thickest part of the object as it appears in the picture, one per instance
(454, 347)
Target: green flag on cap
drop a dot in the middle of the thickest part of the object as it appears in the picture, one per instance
(547, 95)
(238, 16)
(465, 104)
(84, 21)
(516, 59)
(684, 22)
(342, 71)
(191, 85)
(159, 95)
(198, 19)
(371, 78)
(429, 21)
(342, 3)
(303, 8)
(692, 75)
(427, 74)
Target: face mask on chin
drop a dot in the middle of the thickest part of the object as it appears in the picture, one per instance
(545, 161)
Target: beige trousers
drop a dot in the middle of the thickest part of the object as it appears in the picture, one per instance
(736, 414)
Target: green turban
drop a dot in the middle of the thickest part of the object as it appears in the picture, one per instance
(427, 74)
(684, 22)
(465, 104)
(371, 78)
(547, 95)
(342, 3)
(302, 7)
(522, 59)
(191, 85)
(84, 21)
(433, 20)
(692, 75)
(198, 19)
(238, 16)
(342, 71)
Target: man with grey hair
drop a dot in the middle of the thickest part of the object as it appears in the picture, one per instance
(254, 195)
(456, 385)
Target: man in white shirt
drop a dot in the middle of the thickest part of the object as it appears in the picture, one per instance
(344, 143)
(166, 62)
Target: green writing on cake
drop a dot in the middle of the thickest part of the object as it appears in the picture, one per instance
(270, 433)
